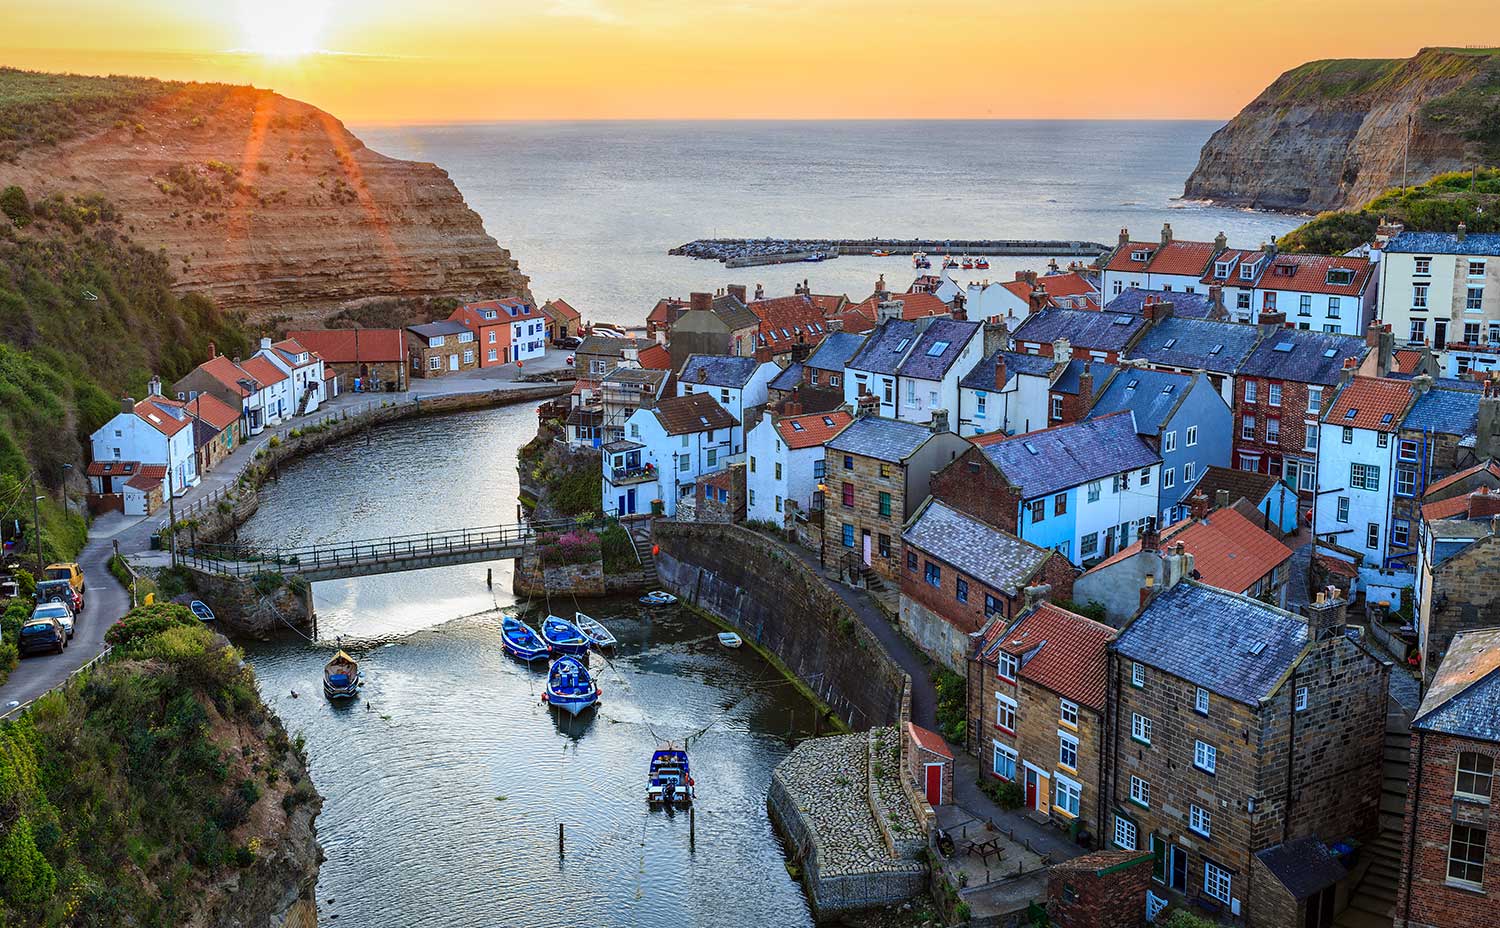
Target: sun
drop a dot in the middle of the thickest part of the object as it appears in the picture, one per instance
(282, 28)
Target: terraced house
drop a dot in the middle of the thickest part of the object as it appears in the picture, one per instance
(1079, 333)
(1443, 289)
(438, 348)
(914, 367)
(1169, 264)
(1187, 345)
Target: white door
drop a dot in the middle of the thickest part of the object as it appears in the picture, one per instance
(867, 548)
(452, 362)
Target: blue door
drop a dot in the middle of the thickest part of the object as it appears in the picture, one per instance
(630, 501)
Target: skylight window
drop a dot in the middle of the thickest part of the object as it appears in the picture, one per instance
(1123, 320)
(1169, 343)
(1216, 349)
(901, 345)
(1385, 419)
(1030, 447)
(828, 422)
(1352, 413)
(796, 426)
(1258, 647)
(1167, 389)
(936, 349)
(1328, 353)
(1283, 346)
(1134, 382)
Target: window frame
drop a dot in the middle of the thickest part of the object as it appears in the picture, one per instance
(1203, 750)
(1140, 729)
(1201, 701)
(1140, 791)
(1126, 833)
(1012, 757)
(1470, 840)
(1067, 744)
(1217, 879)
(1009, 706)
(1475, 774)
(1200, 821)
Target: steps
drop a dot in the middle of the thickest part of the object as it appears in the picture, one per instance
(1373, 902)
(640, 538)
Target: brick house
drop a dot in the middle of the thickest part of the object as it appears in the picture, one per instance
(376, 358)
(1275, 737)
(490, 323)
(600, 354)
(961, 574)
(929, 765)
(1105, 889)
(438, 348)
(1037, 690)
(1452, 831)
(563, 321)
(720, 497)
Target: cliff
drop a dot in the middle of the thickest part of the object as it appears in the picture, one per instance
(261, 203)
(1331, 134)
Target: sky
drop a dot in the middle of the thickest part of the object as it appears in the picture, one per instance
(420, 61)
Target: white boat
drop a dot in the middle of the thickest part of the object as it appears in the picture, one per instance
(658, 598)
(730, 639)
(597, 634)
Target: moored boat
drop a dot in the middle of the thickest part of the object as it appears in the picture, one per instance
(569, 686)
(201, 610)
(598, 636)
(341, 677)
(949, 261)
(563, 636)
(968, 263)
(669, 781)
(982, 264)
(730, 639)
(919, 260)
(658, 598)
(520, 641)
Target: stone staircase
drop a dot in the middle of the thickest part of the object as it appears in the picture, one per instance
(640, 537)
(1373, 902)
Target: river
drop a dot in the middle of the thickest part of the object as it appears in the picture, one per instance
(446, 781)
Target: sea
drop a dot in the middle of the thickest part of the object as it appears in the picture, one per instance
(590, 209)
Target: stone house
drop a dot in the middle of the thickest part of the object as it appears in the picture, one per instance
(1277, 737)
(563, 321)
(438, 348)
(929, 765)
(1105, 889)
(360, 359)
(1080, 333)
(600, 354)
(1037, 691)
(1295, 883)
(1271, 497)
(1458, 573)
(824, 368)
(1452, 825)
(217, 430)
(720, 496)
(961, 574)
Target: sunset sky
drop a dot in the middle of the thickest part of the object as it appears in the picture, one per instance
(372, 61)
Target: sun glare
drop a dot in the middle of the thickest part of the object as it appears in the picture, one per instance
(282, 28)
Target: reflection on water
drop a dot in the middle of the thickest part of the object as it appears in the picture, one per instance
(446, 781)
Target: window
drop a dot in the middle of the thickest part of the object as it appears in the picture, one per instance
(1187, 472)
(1140, 792)
(1007, 666)
(1137, 674)
(885, 500)
(1466, 855)
(1145, 476)
(1217, 881)
(750, 496)
(1140, 728)
(1406, 481)
(1067, 713)
(1273, 431)
(1476, 268)
(1038, 510)
(712, 457)
(1343, 509)
(979, 404)
(683, 462)
(1348, 435)
(1476, 775)
(1056, 407)
(933, 574)
(1004, 763)
(848, 494)
(1364, 476)
(1065, 796)
(1333, 307)
(1089, 545)
(1301, 699)
(1169, 441)
(1423, 266)
(1192, 435)
(1067, 751)
(1418, 330)
(1122, 482)
(885, 471)
(1200, 821)
(778, 501)
(1124, 833)
(961, 590)
(1200, 701)
(1419, 296)
(1242, 299)
(1407, 450)
(1474, 301)
(1304, 305)
(911, 561)
(1247, 428)
(434, 363)
(494, 355)
(1249, 391)
(848, 462)
(1400, 534)
(1005, 714)
(1273, 394)
(1372, 535)
(1168, 478)
(818, 469)
(1095, 489)
(1060, 504)
(1205, 756)
(848, 535)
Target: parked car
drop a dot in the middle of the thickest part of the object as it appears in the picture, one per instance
(41, 635)
(59, 591)
(567, 341)
(9, 588)
(58, 611)
(69, 571)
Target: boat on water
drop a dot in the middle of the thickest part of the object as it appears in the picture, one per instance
(968, 263)
(521, 641)
(658, 598)
(919, 259)
(817, 256)
(982, 264)
(599, 636)
(669, 782)
(200, 609)
(949, 261)
(563, 636)
(569, 686)
(730, 639)
(341, 677)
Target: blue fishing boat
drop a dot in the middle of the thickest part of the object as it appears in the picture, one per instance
(569, 686)
(564, 636)
(341, 677)
(668, 782)
(520, 641)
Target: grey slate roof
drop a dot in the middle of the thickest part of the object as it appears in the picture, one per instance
(1151, 395)
(607, 345)
(1197, 344)
(1184, 305)
(885, 347)
(995, 558)
(717, 370)
(1067, 381)
(1304, 866)
(1083, 328)
(883, 439)
(930, 359)
(788, 378)
(1314, 357)
(835, 351)
(443, 327)
(735, 314)
(1451, 412)
(1444, 243)
(1206, 636)
(1055, 459)
(982, 377)
(1464, 698)
(1458, 383)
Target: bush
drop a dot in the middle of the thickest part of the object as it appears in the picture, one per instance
(15, 206)
(143, 624)
(617, 549)
(1092, 610)
(579, 546)
(952, 705)
(1182, 918)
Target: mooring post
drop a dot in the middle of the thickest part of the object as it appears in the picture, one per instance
(559, 840)
(489, 577)
(692, 827)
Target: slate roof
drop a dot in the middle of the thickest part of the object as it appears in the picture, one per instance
(1241, 484)
(638, 375)
(1067, 381)
(1450, 412)
(1304, 866)
(1374, 403)
(982, 377)
(718, 370)
(1151, 395)
(938, 348)
(1313, 357)
(1197, 344)
(811, 429)
(735, 314)
(430, 330)
(884, 350)
(608, 345)
(891, 440)
(1464, 698)
(835, 351)
(1055, 459)
(1099, 331)
(995, 558)
(1451, 479)
(696, 412)
(1209, 637)
(1444, 243)
(789, 377)
(1065, 652)
(1184, 305)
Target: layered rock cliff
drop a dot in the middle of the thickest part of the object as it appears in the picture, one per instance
(267, 204)
(1332, 134)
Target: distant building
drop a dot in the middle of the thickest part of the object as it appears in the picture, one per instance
(665, 450)
(1165, 265)
(438, 348)
(1080, 333)
(363, 359)
(1007, 392)
(155, 430)
(563, 321)
(1443, 289)
(1187, 345)
(739, 384)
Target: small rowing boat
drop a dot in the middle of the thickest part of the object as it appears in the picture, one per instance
(658, 598)
(569, 686)
(982, 264)
(877, 253)
(668, 782)
(730, 639)
(341, 677)
(201, 610)
(520, 641)
(563, 636)
(597, 634)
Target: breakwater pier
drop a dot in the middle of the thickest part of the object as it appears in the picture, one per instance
(746, 252)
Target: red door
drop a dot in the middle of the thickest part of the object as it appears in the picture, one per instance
(1030, 790)
(934, 784)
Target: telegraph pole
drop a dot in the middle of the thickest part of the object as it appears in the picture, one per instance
(171, 511)
(36, 527)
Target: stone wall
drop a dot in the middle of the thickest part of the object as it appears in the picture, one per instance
(767, 594)
(243, 611)
(1105, 889)
(531, 579)
(1275, 906)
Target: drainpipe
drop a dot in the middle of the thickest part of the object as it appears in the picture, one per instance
(1291, 755)
(1411, 832)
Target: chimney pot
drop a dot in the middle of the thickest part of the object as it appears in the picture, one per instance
(702, 301)
(1221, 499)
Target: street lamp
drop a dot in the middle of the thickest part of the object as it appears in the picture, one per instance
(36, 528)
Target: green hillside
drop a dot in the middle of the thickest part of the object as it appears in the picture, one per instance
(1436, 206)
(43, 109)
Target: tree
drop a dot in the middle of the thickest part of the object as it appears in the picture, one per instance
(13, 203)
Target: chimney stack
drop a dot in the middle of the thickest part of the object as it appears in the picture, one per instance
(888, 309)
(1150, 538)
(1178, 564)
(996, 337)
(1221, 242)
(880, 285)
(737, 291)
(1166, 233)
(1028, 276)
(1327, 614)
(153, 386)
(1269, 247)
(1124, 237)
(1148, 587)
(213, 351)
(866, 404)
(1270, 321)
(1216, 308)
(1036, 595)
(1483, 503)
(939, 422)
(1037, 300)
(1062, 351)
(127, 404)
(760, 292)
(1001, 376)
(265, 343)
(1421, 383)
(1221, 499)
(1198, 505)
(1156, 310)
(1085, 388)
(703, 301)
(1463, 231)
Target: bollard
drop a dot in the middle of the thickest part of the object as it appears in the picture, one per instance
(692, 827)
(489, 578)
(559, 840)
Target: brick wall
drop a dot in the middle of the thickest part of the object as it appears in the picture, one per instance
(917, 759)
(1275, 907)
(1106, 889)
(1292, 414)
(972, 485)
(1471, 582)
(865, 515)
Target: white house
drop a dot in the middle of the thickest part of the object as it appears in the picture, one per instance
(1165, 265)
(1014, 300)
(665, 450)
(304, 371)
(1444, 289)
(785, 461)
(739, 384)
(273, 396)
(1006, 392)
(528, 329)
(154, 431)
(941, 355)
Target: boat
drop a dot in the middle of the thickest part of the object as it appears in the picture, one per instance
(520, 641)
(877, 253)
(669, 781)
(569, 686)
(730, 639)
(597, 634)
(948, 261)
(658, 598)
(816, 256)
(201, 610)
(982, 264)
(563, 636)
(919, 259)
(341, 677)
(968, 263)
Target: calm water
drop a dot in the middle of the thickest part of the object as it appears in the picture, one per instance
(590, 209)
(446, 782)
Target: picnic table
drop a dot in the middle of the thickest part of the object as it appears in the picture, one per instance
(985, 849)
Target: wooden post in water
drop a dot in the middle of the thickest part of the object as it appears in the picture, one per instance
(559, 840)
(692, 827)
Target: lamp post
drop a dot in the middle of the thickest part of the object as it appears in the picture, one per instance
(67, 468)
(36, 526)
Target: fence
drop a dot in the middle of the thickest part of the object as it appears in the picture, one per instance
(18, 710)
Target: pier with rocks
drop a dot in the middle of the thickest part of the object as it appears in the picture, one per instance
(748, 252)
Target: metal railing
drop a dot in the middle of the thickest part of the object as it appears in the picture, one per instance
(18, 710)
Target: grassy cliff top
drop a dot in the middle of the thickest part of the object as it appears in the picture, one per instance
(43, 109)
(1339, 78)
(1436, 206)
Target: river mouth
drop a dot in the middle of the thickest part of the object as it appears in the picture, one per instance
(445, 782)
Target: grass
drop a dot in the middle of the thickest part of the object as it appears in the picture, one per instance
(1439, 205)
(45, 109)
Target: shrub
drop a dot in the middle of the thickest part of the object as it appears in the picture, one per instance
(15, 206)
(617, 549)
(144, 623)
(952, 705)
(1090, 610)
(578, 546)
(1182, 918)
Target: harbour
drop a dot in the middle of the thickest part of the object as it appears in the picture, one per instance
(746, 252)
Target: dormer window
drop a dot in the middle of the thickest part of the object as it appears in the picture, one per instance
(1340, 276)
(1286, 270)
(1140, 255)
(1221, 268)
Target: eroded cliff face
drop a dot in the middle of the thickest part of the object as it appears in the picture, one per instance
(271, 206)
(1331, 134)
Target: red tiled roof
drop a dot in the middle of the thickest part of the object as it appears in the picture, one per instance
(145, 481)
(929, 740)
(344, 346)
(1073, 659)
(828, 303)
(1375, 403)
(1070, 291)
(264, 372)
(291, 347)
(1451, 479)
(655, 358)
(227, 373)
(562, 308)
(1407, 360)
(154, 412)
(788, 320)
(212, 410)
(111, 468)
(861, 316)
(666, 310)
(1309, 274)
(1233, 256)
(1121, 260)
(807, 431)
(1229, 551)
(1191, 258)
(1338, 566)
